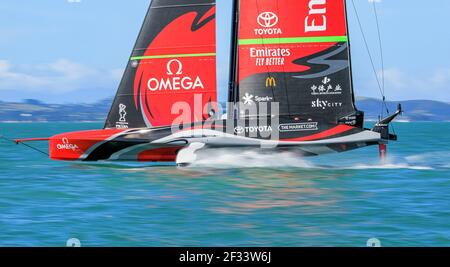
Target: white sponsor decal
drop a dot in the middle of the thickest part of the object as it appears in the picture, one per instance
(267, 21)
(134, 64)
(316, 21)
(263, 98)
(298, 127)
(349, 120)
(326, 88)
(324, 104)
(122, 123)
(122, 113)
(269, 56)
(252, 129)
(250, 99)
(66, 145)
(175, 82)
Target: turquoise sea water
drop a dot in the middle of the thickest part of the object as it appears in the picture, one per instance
(230, 199)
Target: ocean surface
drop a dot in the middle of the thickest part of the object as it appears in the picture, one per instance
(229, 198)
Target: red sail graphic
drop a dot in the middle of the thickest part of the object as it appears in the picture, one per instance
(272, 33)
(178, 67)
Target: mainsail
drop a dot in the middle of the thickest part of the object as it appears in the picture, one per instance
(173, 61)
(295, 52)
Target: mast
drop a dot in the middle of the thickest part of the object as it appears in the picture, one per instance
(233, 96)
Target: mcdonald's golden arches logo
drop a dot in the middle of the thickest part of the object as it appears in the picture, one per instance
(271, 82)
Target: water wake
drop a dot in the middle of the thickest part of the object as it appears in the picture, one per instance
(232, 158)
(439, 159)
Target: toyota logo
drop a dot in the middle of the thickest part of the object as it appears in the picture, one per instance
(239, 130)
(267, 19)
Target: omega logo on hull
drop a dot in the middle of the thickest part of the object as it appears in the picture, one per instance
(66, 145)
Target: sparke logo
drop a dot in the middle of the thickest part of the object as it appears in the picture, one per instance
(174, 81)
(271, 82)
(267, 19)
(66, 145)
(169, 67)
(248, 99)
(122, 113)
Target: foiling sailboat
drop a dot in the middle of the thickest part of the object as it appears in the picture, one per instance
(290, 86)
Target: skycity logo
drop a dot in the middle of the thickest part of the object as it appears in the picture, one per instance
(324, 104)
(316, 21)
(267, 20)
(66, 145)
(175, 82)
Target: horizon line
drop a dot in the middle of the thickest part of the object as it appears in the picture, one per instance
(25, 100)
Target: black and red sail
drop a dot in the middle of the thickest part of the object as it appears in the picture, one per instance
(173, 62)
(295, 52)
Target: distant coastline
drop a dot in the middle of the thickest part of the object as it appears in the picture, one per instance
(32, 111)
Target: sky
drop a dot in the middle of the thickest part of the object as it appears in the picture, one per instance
(72, 51)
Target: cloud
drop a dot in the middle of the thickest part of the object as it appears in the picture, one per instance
(402, 85)
(394, 78)
(10, 78)
(375, 1)
(59, 77)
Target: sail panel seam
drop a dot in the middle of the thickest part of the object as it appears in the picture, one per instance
(293, 40)
(173, 56)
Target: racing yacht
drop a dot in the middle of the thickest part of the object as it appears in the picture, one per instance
(290, 86)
